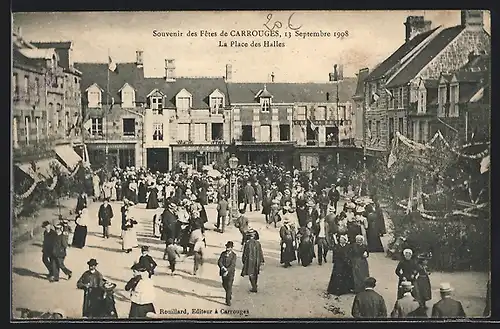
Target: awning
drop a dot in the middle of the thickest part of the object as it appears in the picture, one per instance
(43, 169)
(68, 156)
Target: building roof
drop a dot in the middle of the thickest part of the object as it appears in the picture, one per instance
(422, 58)
(431, 84)
(38, 53)
(62, 49)
(98, 72)
(468, 89)
(467, 76)
(381, 69)
(479, 63)
(243, 92)
(199, 87)
(19, 59)
(360, 87)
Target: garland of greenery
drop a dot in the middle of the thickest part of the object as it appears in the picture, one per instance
(28, 192)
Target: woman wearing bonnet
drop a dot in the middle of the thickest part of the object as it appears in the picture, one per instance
(80, 234)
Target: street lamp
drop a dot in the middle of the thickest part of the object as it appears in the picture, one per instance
(233, 186)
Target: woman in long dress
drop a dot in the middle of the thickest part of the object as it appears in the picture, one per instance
(373, 232)
(152, 198)
(341, 281)
(422, 282)
(360, 271)
(80, 234)
(96, 185)
(407, 271)
(142, 192)
(288, 237)
(306, 246)
(142, 293)
(112, 185)
(129, 240)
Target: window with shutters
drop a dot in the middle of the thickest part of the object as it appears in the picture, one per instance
(454, 100)
(183, 132)
(96, 127)
(128, 96)
(37, 129)
(422, 97)
(27, 127)
(442, 99)
(157, 131)
(320, 113)
(265, 133)
(301, 113)
(200, 132)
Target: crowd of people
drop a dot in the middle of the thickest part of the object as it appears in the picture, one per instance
(305, 208)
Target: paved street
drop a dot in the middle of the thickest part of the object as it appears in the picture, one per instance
(283, 293)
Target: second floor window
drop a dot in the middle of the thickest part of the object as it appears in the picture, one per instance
(320, 113)
(421, 102)
(158, 131)
(129, 127)
(217, 105)
(183, 132)
(94, 98)
(301, 113)
(128, 98)
(96, 127)
(15, 83)
(27, 128)
(442, 101)
(26, 85)
(265, 105)
(454, 100)
(200, 132)
(183, 103)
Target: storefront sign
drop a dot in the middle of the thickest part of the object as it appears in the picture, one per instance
(197, 148)
(102, 146)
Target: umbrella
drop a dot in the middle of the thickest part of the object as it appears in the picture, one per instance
(214, 173)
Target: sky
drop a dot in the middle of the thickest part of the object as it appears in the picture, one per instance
(372, 36)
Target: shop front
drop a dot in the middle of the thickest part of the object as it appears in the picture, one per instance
(120, 155)
(278, 154)
(198, 155)
(334, 157)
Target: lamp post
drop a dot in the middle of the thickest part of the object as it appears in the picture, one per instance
(233, 185)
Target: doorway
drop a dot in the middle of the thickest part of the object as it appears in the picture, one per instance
(158, 159)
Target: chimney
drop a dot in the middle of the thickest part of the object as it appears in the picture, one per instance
(138, 58)
(170, 69)
(229, 72)
(272, 76)
(415, 25)
(472, 19)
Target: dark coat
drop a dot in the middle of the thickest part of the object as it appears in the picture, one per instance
(59, 246)
(369, 304)
(91, 283)
(227, 260)
(48, 242)
(448, 308)
(149, 263)
(334, 195)
(169, 223)
(202, 196)
(249, 193)
(81, 202)
(252, 258)
(105, 215)
(313, 216)
(258, 191)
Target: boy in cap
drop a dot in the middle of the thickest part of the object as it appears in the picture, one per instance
(172, 254)
(147, 261)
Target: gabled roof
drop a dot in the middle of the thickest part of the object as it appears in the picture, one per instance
(38, 53)
(467, 90)
(126, 84)
(431, 83)
(264, 93)
(154, 91)
(446, 77)
(243, 92)
(360, 87)
(61, 47)
(464, 76)
(94, 85)
(19, 59)
(199, 88)
(97, 73)
(421, 59)
(401, 52)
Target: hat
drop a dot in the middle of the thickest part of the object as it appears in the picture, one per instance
(406, 285)
(251, 232)
(92, 262)
(445, 287)
(360, 209)
(344, 237)
(408, 251)
(310, 203)
(109, 286)
(45, 223)
(145, 248)
(138, 267)
(351, 205)
(229, 244)
(370, 282)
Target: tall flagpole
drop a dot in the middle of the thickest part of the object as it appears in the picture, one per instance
(106, 115)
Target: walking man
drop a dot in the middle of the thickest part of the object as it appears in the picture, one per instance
(227, 268)
(252, 259)
(222, 211)
(321, 230)
(105, 215)
(59, 254)
(447, 307)
(369, 303)
(49, 236)
(241, 223)
(407, 306)
(258, 195)
(249, 193)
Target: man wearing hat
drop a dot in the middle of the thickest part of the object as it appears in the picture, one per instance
(312, 213)
(242, 224)
(59, 254)
(105, 215)
(169, 222)
(91, 281)
(369, 303)
(49, 236)
(334, 196)
(407, 306)
(252, 258)
(447, 307)
(227, 268)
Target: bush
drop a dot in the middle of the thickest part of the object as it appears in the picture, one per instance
(456, 244)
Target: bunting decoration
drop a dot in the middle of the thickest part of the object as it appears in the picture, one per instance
(29, 191)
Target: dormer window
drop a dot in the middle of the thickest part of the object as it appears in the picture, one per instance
(156, 105)
(128, 96)
(94, 95)
(217, 102)
(422, 101)
(442, 99)
(184, 100)
(454, 100)
(265, 104)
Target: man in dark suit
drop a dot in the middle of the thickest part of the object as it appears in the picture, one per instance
(105, 215)
(81, 202)
(334, 196)
(312, 213)
(59, 254)
(258, 195)
(49, 236)
(447, 307)
(227, 268)
(368, 303)
(169, 225)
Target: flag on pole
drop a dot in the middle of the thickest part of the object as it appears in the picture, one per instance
(485, 164)
(88, 124)
(388, 92)
(112, 66)
(312, 125)
(375, 97)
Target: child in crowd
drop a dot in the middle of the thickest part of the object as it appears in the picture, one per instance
(198, 250)
(172, 254)
(147, 261)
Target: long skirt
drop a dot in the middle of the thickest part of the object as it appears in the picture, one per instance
(129, 240)
(140, 311)
(341, 281)
(423, 286)
(374, 243)
(79, 237)
(288, 253)
(360, 272)
(152, 201)
(306, 253)
(113, 194)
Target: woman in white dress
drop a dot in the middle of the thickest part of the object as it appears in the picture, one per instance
(113, 189)
(129, 240)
